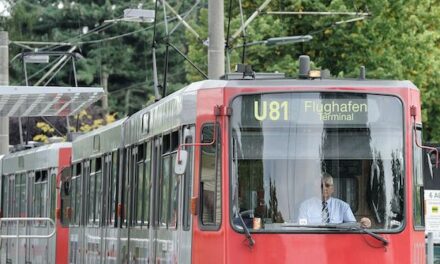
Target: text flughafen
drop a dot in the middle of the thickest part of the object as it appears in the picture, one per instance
(335, 111)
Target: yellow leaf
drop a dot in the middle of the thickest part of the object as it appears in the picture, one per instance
(110, 118)
(82, 113)
(85, 128)
(40, 138)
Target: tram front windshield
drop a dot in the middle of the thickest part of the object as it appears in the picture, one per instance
(282, 144)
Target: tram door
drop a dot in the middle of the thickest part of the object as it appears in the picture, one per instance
(106, 212)
(154, 210)
(82, 240)
(7, 229)
(16, 198)
(126, 185)
(30, 197)
(20, 211)
(49, 209)
(131, 200)
(185, 231)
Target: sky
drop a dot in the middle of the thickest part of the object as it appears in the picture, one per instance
(3, 6)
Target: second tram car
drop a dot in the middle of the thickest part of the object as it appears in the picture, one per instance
(256, 151)
(29, 180)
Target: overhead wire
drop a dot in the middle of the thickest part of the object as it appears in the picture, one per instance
(167, 47)
(243, 32)
(104, 27)
(95, 30)
(74, 40)
(42, 69)
(99, 41)
(56, 72)
(185, 16)
(121, 35)
(110, 24)
(227, 46)
(335, 24)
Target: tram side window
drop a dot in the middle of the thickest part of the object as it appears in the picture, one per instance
(4, 194)
(52, 193)
(98, 193)
(165, 180)
(91, 193)
(175, 182)
(20, 195)
(140, 174)
(17, 196)
(169, 182)
(147, 184)
(186, 218)
(95, 192)
(126, 181)
(418, 180)
(41, 194)
(131, 188)
(66, 192)
(114, 184)
(210, 183)
(76, 194)
(141, 184)
(37, 195)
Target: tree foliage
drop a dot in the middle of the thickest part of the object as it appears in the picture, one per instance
(400, 40)
(117, 54)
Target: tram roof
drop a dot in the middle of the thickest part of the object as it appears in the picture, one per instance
(175, 110)
(318, 83)
(179, 108)
(38, 158)
(102, 140)
(46, 101)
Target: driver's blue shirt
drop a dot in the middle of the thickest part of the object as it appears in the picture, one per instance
(339, 211)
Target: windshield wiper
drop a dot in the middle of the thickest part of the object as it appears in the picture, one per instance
(356, 227)
(344, 226)
(247, 234)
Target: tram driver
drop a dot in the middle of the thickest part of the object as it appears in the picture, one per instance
(327, 209)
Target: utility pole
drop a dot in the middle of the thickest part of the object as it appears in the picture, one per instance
(4, 80)
(104, 83)
(216, 37)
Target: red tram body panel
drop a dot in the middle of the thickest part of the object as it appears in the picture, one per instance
(62, 241)
(226, 245)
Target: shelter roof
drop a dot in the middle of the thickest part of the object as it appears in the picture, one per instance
(18, 101)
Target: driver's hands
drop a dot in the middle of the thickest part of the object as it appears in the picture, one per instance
(365, 222)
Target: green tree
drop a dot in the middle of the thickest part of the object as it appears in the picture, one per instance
(116, 55)
(400, 40)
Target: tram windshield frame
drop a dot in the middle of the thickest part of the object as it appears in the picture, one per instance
(282, 143)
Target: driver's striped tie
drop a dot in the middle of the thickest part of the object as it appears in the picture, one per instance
(324, 213)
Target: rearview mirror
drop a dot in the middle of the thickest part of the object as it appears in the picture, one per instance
(180, 163)
(433, 157)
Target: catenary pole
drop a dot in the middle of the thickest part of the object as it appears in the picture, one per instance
(4, 80)
(216, 39)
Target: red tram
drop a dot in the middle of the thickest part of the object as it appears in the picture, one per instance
(248, 154)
